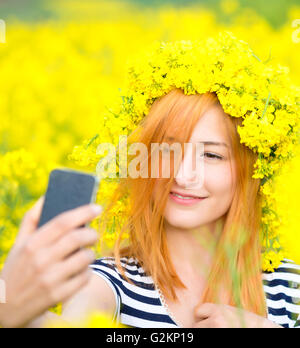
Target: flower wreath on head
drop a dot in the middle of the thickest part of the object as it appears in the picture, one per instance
(261, 93)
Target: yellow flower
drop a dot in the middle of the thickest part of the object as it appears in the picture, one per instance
(93, 320)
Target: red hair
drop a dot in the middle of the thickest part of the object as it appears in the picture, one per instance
(236, 264)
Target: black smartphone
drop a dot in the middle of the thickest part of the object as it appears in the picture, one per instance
(68, 189)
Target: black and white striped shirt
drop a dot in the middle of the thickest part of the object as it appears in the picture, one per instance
(141, 306)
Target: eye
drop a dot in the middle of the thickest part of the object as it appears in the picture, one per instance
(212, 155)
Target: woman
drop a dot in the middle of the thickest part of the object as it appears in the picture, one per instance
(190, 262)
(192, 253)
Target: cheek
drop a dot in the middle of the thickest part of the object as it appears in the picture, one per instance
(220, 183)
(219, 180)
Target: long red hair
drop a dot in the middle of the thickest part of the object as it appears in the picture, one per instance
(236, 264)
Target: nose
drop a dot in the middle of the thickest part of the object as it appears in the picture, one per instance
(185, 177)
(189, 175)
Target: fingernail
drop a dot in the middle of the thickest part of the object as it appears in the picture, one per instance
(97, 208)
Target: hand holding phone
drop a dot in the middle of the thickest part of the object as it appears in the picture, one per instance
(49, 264)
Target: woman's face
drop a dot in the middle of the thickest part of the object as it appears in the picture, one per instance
(218, 179)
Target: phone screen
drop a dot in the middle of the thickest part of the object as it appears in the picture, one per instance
(68, 189)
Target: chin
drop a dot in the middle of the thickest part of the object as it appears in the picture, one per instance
(183, 224)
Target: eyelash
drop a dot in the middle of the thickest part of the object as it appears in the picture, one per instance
(213, 155)
(209, 153)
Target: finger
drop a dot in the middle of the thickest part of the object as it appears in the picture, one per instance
(31, 219)
(80, 238)
(55, 294)
(204, 311)
(72, 286)
(73, 265)
(53, 230)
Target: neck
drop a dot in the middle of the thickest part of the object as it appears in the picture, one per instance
(191, 250)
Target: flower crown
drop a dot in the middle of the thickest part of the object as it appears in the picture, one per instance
(260, 93)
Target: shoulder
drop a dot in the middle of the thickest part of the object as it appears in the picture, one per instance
(110, 263)
(132, 270)
(282, 288)
(287, 271)
(286, 275)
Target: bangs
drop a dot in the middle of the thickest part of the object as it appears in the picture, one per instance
(173, 116)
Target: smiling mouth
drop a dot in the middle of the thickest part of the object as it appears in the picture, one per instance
(185, 197)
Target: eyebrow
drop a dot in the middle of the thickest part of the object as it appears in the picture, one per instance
(212, 143)
(204, 142)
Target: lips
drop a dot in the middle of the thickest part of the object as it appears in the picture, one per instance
(185, 200)
(186, 195)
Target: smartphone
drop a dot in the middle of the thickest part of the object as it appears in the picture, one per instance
(68, 189)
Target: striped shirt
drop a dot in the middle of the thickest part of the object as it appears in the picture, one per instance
(141, 306)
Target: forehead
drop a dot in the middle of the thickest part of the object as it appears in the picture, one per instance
(211, 126)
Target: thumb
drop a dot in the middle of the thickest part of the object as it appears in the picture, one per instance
(31, 219)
